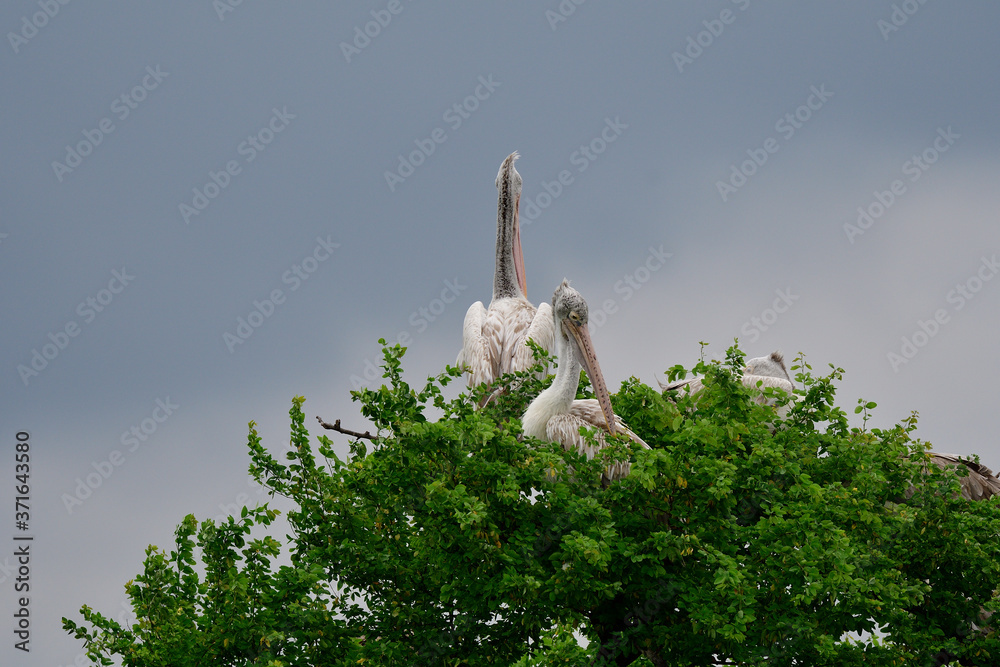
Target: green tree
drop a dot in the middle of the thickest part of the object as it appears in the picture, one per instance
(738, 539)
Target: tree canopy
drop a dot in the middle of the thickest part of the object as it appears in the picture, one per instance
(738, 539)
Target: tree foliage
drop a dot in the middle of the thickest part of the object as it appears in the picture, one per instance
(738, 539)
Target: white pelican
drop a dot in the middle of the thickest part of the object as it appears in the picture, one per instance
(493, 340)
(760, 372)
(770, 371)
(554, 415)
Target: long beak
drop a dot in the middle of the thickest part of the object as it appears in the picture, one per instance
(522, 281)
(585, 349)
(510, 260)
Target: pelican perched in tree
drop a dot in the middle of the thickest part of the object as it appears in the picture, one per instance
(760, 372)
(493, 339)
(554, 415)
(979, 484)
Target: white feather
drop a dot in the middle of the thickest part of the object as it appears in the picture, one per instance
(759, 373)
(493, 339)
(556, 416)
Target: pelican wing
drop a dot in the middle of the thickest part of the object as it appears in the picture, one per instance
(979, 484)
(588, 411)
(493, 340)
(476, 357)
(513, 320)
(564, 428)
(541, 329)
(695, 385)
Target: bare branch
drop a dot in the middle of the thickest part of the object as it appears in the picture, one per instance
(335, 426)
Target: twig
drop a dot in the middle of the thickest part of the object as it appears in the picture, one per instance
(335, 426)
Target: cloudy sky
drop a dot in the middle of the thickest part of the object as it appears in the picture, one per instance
(209, 209)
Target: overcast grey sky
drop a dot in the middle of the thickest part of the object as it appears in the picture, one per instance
(816, 177)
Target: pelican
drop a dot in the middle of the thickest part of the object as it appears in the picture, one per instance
(979, 484)
(493, 340)
(554, 415)
(760, 372)
(770, 371)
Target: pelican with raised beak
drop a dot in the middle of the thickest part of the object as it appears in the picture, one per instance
(493, 339)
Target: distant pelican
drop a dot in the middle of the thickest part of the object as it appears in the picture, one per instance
(979, 484)
(770, 371)
(759, 372)
(554, 415)
(493, 340)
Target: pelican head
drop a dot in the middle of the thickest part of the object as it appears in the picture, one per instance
(571, 315)
(773, 365)
(509, 280)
